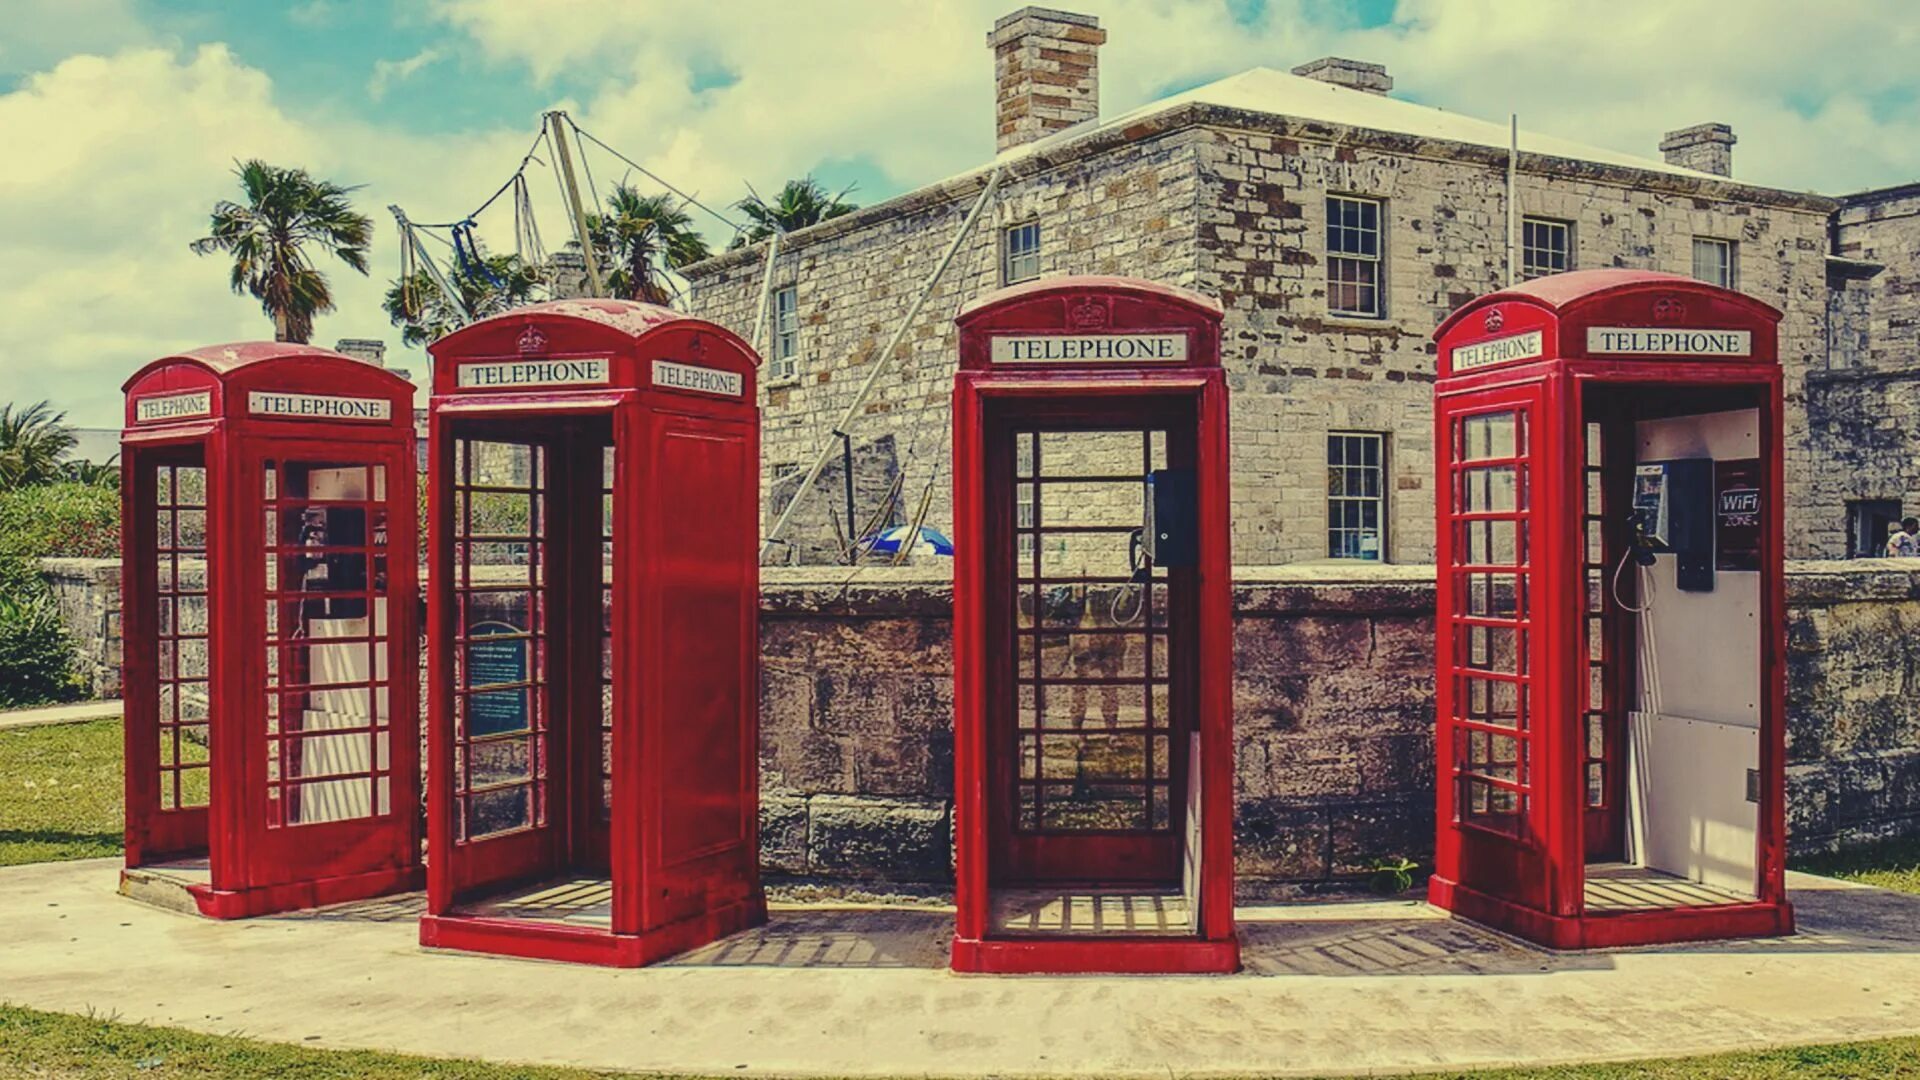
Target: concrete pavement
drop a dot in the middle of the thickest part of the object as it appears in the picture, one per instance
(1333, 989)
(59, 714)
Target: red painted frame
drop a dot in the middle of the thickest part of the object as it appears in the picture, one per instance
(1533, 884)
(683, 843)
(1197, 387)
(254, 870)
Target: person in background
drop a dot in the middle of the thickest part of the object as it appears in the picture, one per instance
(1905, 543)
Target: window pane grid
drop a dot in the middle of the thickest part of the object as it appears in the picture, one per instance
(328, 678)
(1713, 261)
(1490, 620)
(1356, 495)
(785, 364)
(1354, 256)
(1020, 258)
(500, 638)
(184, 705)
(1092, 731)
(1546, 247)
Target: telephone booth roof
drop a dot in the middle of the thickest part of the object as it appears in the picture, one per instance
(570, 336)
(1607, 315)
(1146, 315)
(266, 380)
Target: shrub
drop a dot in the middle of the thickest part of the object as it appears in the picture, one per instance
(36, 659)
(64, 519)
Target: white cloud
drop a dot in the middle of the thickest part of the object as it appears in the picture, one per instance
(131, 151)
(388, 72)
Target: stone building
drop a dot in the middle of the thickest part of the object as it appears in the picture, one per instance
(1336, 224)
(1863, 398)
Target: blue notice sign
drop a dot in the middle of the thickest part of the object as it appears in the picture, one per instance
(497, 656)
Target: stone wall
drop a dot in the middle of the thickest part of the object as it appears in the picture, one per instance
(1333, 709)
(88, 594)
(1233, 205)
(1863, 401)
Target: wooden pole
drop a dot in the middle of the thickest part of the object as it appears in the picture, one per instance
(556, 125)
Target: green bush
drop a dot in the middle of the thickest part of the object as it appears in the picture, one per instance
(64, 519)
(36, 658)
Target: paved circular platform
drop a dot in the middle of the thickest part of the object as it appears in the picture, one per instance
(1330, 989)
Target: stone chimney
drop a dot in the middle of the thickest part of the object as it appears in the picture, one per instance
(1046, 73)
(569, 270)
(370, 350)
(1352, 74)
(1704, 148)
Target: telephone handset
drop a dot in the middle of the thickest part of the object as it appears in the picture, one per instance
(1166, 534)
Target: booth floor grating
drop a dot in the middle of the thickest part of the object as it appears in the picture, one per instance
(571, 901)
(1132, 912)
(1620, 887)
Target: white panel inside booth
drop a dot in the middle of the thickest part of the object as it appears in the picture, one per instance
(1190, 864)
(1694, 734)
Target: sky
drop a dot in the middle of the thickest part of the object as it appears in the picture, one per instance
(122, 120)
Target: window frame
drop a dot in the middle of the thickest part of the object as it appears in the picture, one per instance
(1008, 255)
(1731, 253)
(1377, 260)
(783, 360)
(1335, 525)
(1528, 268)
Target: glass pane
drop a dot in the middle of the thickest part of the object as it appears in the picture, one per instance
(1491, 435)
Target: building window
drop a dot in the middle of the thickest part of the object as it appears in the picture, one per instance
(1020, 253)
(1869, 523)
(1354, 257)
(786, 336)
(1713, 261)
(1546, 247)
(1356, 495)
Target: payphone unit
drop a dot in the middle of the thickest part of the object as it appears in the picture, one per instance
(1092, 632)
(1611, 612)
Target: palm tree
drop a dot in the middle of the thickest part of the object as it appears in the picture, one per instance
(287, 212)
(422, 311)
(639, 238)
(798, 204)
(32, 442)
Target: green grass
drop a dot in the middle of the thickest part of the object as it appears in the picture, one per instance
(42, 1045)
(60, 791)
(1889, 864)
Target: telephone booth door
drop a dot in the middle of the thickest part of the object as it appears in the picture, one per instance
(1091, 649)
(1612, 612)
(268, 617)
(592, 635)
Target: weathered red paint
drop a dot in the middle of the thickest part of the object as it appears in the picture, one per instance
(1532, 881)
(679, 840)
(1188, 400)
(258, 865)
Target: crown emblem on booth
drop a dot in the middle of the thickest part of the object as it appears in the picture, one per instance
(1495, 320)
(532, 340)
(1669, 309)
(1088, 313)
(698, 346)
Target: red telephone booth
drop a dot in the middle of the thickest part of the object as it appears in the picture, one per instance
(271, 664)
(1093, 756)
(593, 613)
(1611, 612)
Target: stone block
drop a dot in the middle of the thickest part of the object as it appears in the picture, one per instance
(783, 831)
(871, 838)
